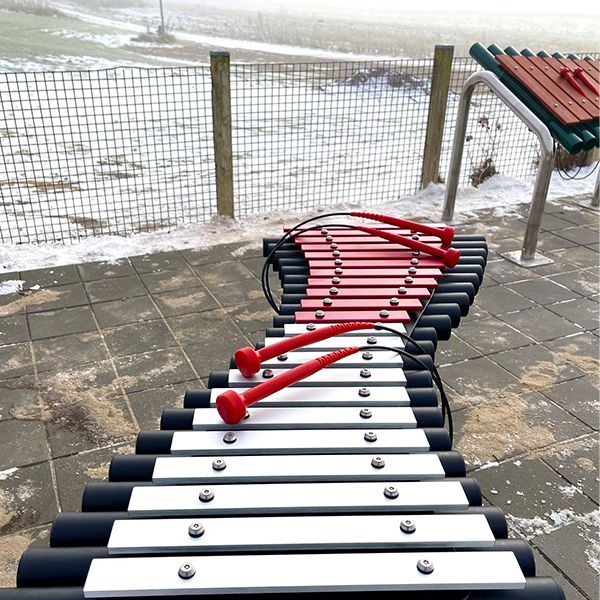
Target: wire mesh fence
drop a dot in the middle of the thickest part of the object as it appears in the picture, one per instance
(121, 151)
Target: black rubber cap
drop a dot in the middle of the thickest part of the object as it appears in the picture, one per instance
(471, 260)
(101, 496)
(282, 320)
(154, 442)
(461, 278)
(422, 333)
(293, 279)
(196, 398)
(418, 379)
(438, 439)
(289, 309)
(522, 551)
(441, 323)
(453, 463)
(274, 332)
(467, 270)
(414, 362)
(83, 529)
(538, 588)
(299, 269)
(495, 518)
(131, 467)
(177, 419)
(450, 310)
(218, 379)
(43, 593)
(295, 288)
(292, 298)
(422, 396)
(461, 288)
(428, 417)
(460, 299)
(472, 491)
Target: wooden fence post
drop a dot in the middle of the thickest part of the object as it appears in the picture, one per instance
(221, 113)
(440, 85)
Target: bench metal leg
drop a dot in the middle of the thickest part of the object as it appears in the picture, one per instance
(527, 256)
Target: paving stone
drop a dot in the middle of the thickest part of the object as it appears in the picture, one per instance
(19, 398)
(553, 241)
(537, 367)
(491, 335)
(579, 235)
(584, 282)
(165, 281)
(49, 277)
(501, 299)
(455, 350)
(73, 472)
(225, 272)
(503, 271)
(153, 369)
(252, 317)
(540, 323)
(479, 377)
(149, 404)
(15, 360)
(13, 329)
(578, 216)
(579, 397)
(580, 256)
(246, 249)
(186, 301)
(64, 296)
(27, 498)
(552, 222)
(255, 264)
(572, 548)
(160, 261)
(61, 322)
(137, 338)
(13, 453)
(577, 462)
(476, 313)
(546, 569)
(238, 293)
(123, 312)
(115, 289)
(11, 304)
(69, 350)
(207, 256)
(583, 312)
(578, 349)
(502, 424)
(558, 266)
(94, 271)
(543, 291)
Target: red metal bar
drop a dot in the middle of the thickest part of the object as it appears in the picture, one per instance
(401, 303)
(346, 316)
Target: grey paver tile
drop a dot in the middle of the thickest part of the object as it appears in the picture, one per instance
(582, 281)
(255, 316)
(27, 498)
(237, 293)
(153, 369)
(552, 222)
(572, 549)
(207, 256)
(123, 312)
(579, 397)
(503, 271)
(64, 296)
(491, 335)
(61, 322)
(159, 261)
(255, 264)
(546, 569)
(149, 404)
(15, 453)
(537, 367)
(185, 301)
(501, 299)
(93, 271)
(19, 398)
(69, 350)
(246, 249)
(137, 338)
(114, 289)
(579, 235)
(580, 256)
(15, 360)
(554, 241)
(577, 462)
(50, 276)
(578, 349)
(540, 323)
(454, 350)
(11, 304)
(225, 272)
(543, 291)
(206, 327)
(579, 217)
(165, 281)
(583, 312)
(13, 329)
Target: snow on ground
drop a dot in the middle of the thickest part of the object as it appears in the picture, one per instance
(501, 193)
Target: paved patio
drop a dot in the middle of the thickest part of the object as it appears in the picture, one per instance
(91, 353)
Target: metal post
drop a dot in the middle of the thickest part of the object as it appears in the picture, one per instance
(440, 85)
(162, 19)
(527, 256)
(596, 196)
(221, 112)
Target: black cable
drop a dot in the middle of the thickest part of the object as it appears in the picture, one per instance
(563, 173)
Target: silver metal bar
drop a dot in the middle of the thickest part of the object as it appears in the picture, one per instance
(297, 328)
(528, 256)
(305, 441)
(329, 396)
(254, 534)
(343, 572)
(394, 417)
(342, 341)
(596, 194)
(341, 376)
(297, 498)
(172, 470)
(365, 359)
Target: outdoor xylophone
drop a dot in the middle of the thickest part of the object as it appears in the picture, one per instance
(340, 479)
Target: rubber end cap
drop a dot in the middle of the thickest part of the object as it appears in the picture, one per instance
(451, 257)
(247, 361)
(231, 407)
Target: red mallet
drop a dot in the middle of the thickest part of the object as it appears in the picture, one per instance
(450, 256)
(565, 73)
(248, 360)
(232, 406)
(445, 233)
(580, 74)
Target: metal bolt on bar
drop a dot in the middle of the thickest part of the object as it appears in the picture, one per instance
(526, 257)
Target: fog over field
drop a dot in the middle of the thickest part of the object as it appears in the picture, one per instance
(49, 34)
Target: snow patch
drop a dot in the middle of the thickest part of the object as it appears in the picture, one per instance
(7, 473)
(11, 286)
